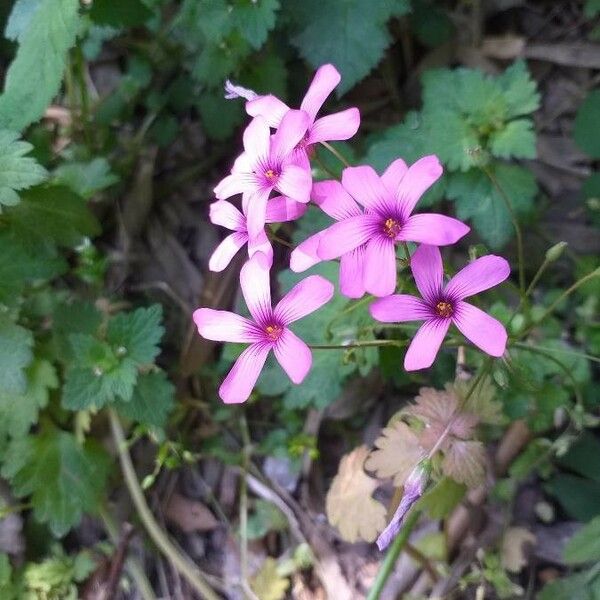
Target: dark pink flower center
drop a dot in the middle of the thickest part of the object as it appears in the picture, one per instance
(391, 227)
(444, 309)
(271, 175)
(273, 331)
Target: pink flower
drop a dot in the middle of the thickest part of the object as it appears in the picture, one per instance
(224, 213)
(442, 306)
(267, 330)
(389, 201)
(337, 126)
(335, 201)
(266, 165)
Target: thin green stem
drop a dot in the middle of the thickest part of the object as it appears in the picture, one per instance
(325, 167)
(275, 238)
(529, 290)
(527, 346)
(363, 344)
(387, 566)
(406, 252)
(337, 154)
(565, 294)
(188, 569)
(517, 227)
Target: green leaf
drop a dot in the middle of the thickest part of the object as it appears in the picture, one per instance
(591, 8)
(120, 14)
(52, 213)
(21, 263)
(220, 117)
(360, 39)
(478, 199)
(18, 412)
(86, 178)
(519, 90)
(584, 546)
(410, 140)
(15, 356)
(152, 400)
(577, 458)
(77, 317)
(591, 186)
(254, 19)
(63, 478)
(137, 334)
(587, 125)
(442, 498)
(579, 497)
(17, 171)
(45, 30)
(582, 586)
(217, 62)
(430, 24)
(516, 140)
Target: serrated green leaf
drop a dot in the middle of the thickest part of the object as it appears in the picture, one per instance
(45, 31)
(86, 178)
(21, 263)
(120, 14)
(479, 200)
(17, 171)
(519, 90)
(18, 412)
(52, 213)
(587, 125)
(77, 317)
(584, 546)
(63, 478)
(360, 36)
(442, 498)
(137, 334)
(254, 19)
(515, 140)
(217, 62)
(15, 356)
(151, 402)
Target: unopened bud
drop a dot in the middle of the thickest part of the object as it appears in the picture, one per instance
(233, 91)
(554, 252)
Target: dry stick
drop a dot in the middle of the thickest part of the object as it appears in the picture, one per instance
(188, 569)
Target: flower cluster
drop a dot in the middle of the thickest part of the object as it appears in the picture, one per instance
(373, 215)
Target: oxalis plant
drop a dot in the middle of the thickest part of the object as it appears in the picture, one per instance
(390, 258)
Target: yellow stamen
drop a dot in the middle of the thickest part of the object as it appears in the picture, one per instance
(391, 228)
(444, 309)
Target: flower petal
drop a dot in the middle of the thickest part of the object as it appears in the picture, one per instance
(226, 250)
(427, 269)
(323, 83)
(261, 244)
(237, 386)
(399, 308)
(334, 200)
(482, 274)
(269, 107)
(242, 164)
(282, 208)
(236, 183)
(293, 355)
(425, 345)
(346, 235)
(393, 175)
(477, 326)
(291, 130)
(420, 176)
(256, 288)
(227, 215)
(305, 297)
(366, 187)
(256, 211)
(257, 140)
(224, 326)
(295, 182)
(305, 254)
(380, 266)
(337, 126)
(352, 273)
(433, 229)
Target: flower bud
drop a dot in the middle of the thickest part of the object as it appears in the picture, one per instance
(554, 252)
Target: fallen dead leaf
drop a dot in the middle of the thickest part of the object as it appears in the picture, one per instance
(189, 515)
(503, 47)
(513, 548)
(397, 453)
(465, 462)
(349, 504)
(267, 584)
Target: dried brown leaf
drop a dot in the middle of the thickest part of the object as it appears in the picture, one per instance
(397, 453)
(189, 515)
(513, 548)
(481, 402)
(349, 504)
(465, 462)
(267, 584)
